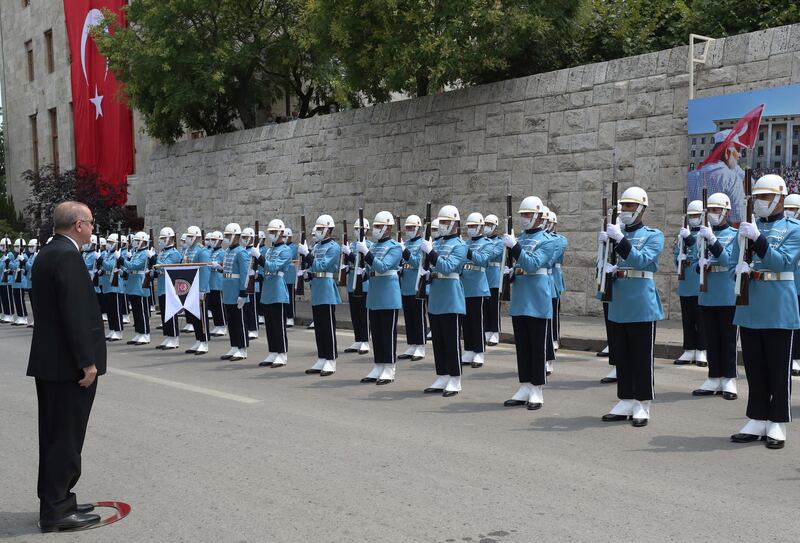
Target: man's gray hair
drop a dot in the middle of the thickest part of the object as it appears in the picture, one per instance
(67, 213)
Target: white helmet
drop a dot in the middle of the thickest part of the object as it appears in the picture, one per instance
(214, 239)
(634, 195)
(475, 219)
(413, 220)
(102, 242)
(111, 242)
(183, 238)
(287, 232)
(448, 213)
(411, 227)
(123, 240)
(545, 215)
(140, 240)
(490, 222)
(166, 232)
(92, 240)
(531, 204)
(383, 218)
(4, 243)
(792, 202)
(435, 228)
(695, 207)
(275, 229)
(553, 217)
(248, 236)
(718, 200)
(19, 243)
(770, 184)
(232, 229)
(33, 244)
(323, 227)
(357, 224)
(194, 233)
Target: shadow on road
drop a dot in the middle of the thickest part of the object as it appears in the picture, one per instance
(674, 444)
(573, 424)
(17, 523)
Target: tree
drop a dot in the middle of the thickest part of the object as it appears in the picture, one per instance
(722, 18)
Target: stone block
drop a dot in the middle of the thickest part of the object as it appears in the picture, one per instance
(534, 143)
(631, 129)
(780, 65)
(752, 71)
(641, 105)
(609, 93)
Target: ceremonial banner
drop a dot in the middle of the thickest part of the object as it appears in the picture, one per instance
(182, 290)
(103, 125)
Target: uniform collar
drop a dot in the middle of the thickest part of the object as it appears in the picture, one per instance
(535, 230)
(278, 243)
(720, 227)
(326, 240)
(634, 227)
(450, 236)
(384, 239)
(476, 238)
(772, 218)
(415, 238)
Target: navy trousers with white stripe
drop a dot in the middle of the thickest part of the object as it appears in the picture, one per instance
(275, 324)
(446, 338)
(237, 330)
(112, 308)
(720, 339)
(414, 317)
(383, 328)
(170, 326)
(472, 325)
(767, 357)
(141, 318)
(290, 305)
(19, 302)
(491, 311)
(325, 330)
(530, 341)
(200, 327)
(358, 316)
(5, 300)
(631, 345)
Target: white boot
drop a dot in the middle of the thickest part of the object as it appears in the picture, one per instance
(105, 317)
(700, 358)
(280, 360)
(193, 348)
(135, 338)
(408, 353)
(477, 362)
(271, 358)
(521, 395)
(252, 334)
(163, 344)
(728, 384)
(387, 374)
(374, 373)
(353, 348)
(641, 410)
(188, 328)
(754, 427)
(613, 373)
(240, 354)
(467, 357)
(126, 319)
(363, 347)
(329, 368)
(776, 430)
(440, 382)
(548, 367)
(604, 352)
(261, 319)
(429, 335)
(202, 348)
(172, 343)
(623, 407)
(795, 367)
(115, 336)
(144, 339)
(419, 353)
(317, 367)
(536, 397)
(712, 384)
(21, 321)
(231, 352)
(289, 323)
(487, 337)
(686, 358)
(555, 345)
(453, 384)
(495, 339)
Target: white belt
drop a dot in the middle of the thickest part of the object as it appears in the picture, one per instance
(634, 274)
(717, 269)
(279, 274)
(474, 267)
(540, 271)
(767, 275)
(230, 275)
(558, 266)
(437, 275)
(494, 264)
(323, 274)
(137, 272)
(409, 267)
(383, 274)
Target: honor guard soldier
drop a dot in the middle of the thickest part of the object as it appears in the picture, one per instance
(33, 250)
(214, 244)
(112, 294)
(413, 309)
(250, 309)
(322, 267)
(694, 337)
(550, 350)
(168, 254)
(234, 291)
(767, 322)
(558, 276)
(290, 278)
(791, 209)
(718, 302)
(434, 237)
(531, 301)
(18, 283)
(476, 290)
(383, 303)
(634, 309)
(125, 252)
(276, 262)
(494, 275)
(446, 305)
(197, 253)
(90, 256)
(6, 279)
(358, 302)
(135, 267)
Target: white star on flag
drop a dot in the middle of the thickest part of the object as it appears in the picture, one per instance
(98, 104)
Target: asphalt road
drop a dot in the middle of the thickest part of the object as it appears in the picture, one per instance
(207, 450)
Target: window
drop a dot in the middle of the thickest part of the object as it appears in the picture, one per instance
(760, 136)
(702, 152)
(694, 141)
(34, 143)
(691, 166)
(29, 55)
(777, 149)
(794, 150)
(692, 153)
(777, 163)
(760, 150)
(48, 42)
(777, 134)
(54, 137)
(703, 140)
(796, 131)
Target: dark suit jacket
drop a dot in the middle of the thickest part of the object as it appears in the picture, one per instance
(68, 325)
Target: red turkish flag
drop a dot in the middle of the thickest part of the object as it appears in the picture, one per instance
(103, 124)
(742, 135)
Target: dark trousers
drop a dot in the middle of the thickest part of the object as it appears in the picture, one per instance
(694, 336)
(215, 306)
(556, 330)
(414, 316)
(123, 303)
(169, 328)
(796, 344)
(550, 351)
(200, 326)
(608, 335)
(768, 362)
(64, 409)
(491, 311)
(250, 315)
(530, 340)
(383, 328)
(446, 338)
(237, 329)
(290, 305)
(29, 292)
(113, 310)
(631, 346)
(358, 316)
(720, 340)
(324, 316)
(141, 313)
(472, 325)
(275, 324)
(6, 303)
(19, 302)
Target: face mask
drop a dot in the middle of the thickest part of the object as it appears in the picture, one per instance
(764, 209)
(445, 229)
(272, 237)
(714, 219)
(377, 233)
(790, 213)
(435, 234)
(694, 222)
(111, 247)
(318, 235)
(162, 244)
(409, 234)
(86, 247)
(488, 230)
(474, 231)
(226, 242)
(527, 222)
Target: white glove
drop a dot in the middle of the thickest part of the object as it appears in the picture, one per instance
(117, 254)
(360, 271)
(344, 267)
(684, 232)
(20, 258)
(507, 270)
(5, 258)
(97, 254)
(682, 257)
(424, 274)
(614, 232)
(609, 268)
(708, 234)
(509, 240)
(743, 267)
(346, 249)
(303, 249)
(216, 266)
(362, 247)
(426, 246)
(117, 270)
(251, 273)
(255, 253)
(749, 230)
(240, 302)
(602, 237)
(150, 253)
(702, 263)
(301, 273)
(402, 246)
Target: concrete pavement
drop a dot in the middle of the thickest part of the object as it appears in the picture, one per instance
(207, 450)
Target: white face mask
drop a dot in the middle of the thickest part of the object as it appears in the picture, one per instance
(474, 231)
(790, 213)
(273, 237)
(318, 235)
(377, 233)
(226, 242)
(445, 229)
(488, 230)
(111, 247)
(527, 223)
(694, 222)
(208, 243)
(409, 234)
(86, 247)
(435, 234)
(714, 219)
(764, 209)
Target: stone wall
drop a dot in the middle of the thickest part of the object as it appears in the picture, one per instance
(554, 135)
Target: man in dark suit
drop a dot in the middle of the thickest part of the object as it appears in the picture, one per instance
(68, 352)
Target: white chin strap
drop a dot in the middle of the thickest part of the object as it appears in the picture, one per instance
(774, 204)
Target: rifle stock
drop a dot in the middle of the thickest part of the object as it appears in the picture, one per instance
(682, 251)
(507, 259)
(358, 280)
(611, 255)
(251, 279)
(299, 288)
(423, 263)
(703, 249)
(742, 284)
(342, 268)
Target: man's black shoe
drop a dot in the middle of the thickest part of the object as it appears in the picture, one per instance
(70, 522)
(85, 508)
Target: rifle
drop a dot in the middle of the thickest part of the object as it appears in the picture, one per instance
(599, 278)
(423, 263)
(6, 271)
(358, 280)
(682, 244)
(342, 280)
(251, 279)
(299, 288)
(19, 271)
(703, 248)
(399, 230)
(741, 288)
(610, 256)
(148, 276)
(507, 259)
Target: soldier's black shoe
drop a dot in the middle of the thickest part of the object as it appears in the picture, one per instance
(264, 364)
(746, 438)
(514, 403)
(432, 390)
(449, 393)
(326, 373)
(384, 381)
(796, 373)
(638, 423)
(608, 380)
(614, 418)
(679, 362)
(702, 364)
(773, 443)
(477, 364)
(404, 356)
(730, 395)
(415, 358)
(85, 508)
(703, 392)
(534, 406)
(349, 350)
(190, 351)
(225, 357)
(70, 522)
(369, 380)
(312, 371)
